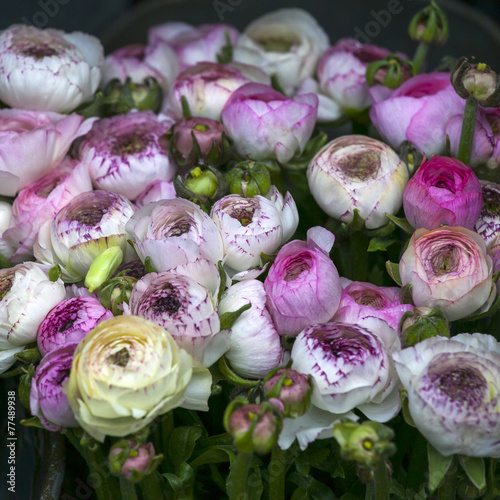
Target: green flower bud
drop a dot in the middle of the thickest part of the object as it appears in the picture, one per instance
(120, 98)
(476, 81)
(249, 178)
(102, 267)
(254, 428)
(422, 323)
(201, 182)
(116, 291)
(365, 443)
(291, 388)
(390, 72)
(429, 25)
(411, 156)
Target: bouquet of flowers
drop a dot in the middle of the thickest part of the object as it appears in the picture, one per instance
(207, 290)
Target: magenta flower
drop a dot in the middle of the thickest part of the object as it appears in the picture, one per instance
(41, 201)
(418, 111)
(264, 124)
(48, 402)
(69, 322)
(125, 153)
(194, 44)
(303, 285)
(139, 62)
(208, 86)
(442, 191)
(342, 70)
(32, 143)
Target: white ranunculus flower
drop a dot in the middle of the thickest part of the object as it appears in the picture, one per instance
(255, 345)
(287, 43)
(125, 373)
(27, 295)
(454, 392)
(48, 70)
(358, 172)
(351, 367)
(6, 249)
(84, 228)
(251, 226)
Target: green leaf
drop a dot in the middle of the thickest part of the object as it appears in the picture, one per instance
(181, 480)
(393, 270)
(475, 469)
(223, 280)
(215, 455)
(32, 422)
(438, 466)
(300, 494)
(406, 410)
(4, 262)
(401, 222)
(380, 244)
(181, 443)
(186, 112)
(382, 231)
(149, 267)
(228, 319)
(55, 273)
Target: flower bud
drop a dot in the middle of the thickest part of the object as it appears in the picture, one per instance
(102, 267)
(116, 291)
(422, 323)
(254, 428)
(476, 81)
(391, 71)
(123, 97)
(249, 178)
(291, 388)
(195, 139)
(429, 25)
(364, 443)
(133, 460)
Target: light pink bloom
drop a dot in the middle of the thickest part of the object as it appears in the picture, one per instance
(48, 70)
(194, 44)
(32, 143)
(264, 124)
(156, 191)
(41, 201)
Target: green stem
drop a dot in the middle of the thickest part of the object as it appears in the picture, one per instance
(492, 491)
(99, 472)
(237, 487)
(127, 489)
(151, 486)
(467, 135)
(56, 459)
(357, 257)
(75, 442)
(381, 481)
(277, 473)
(419, 57)
(448, 487)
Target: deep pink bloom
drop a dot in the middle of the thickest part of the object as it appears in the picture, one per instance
(418, 111)
(442, 191)
(303, 284)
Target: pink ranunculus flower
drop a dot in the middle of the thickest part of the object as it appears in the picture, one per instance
(255, 345)
(177, 235)
(156, 191)
(265, 124)
(303, 285)
(69, 322)
(48, 400)
(208, 86)
(351, 367)
(418, 111)
(286, 43)
(48, 70)
(342, 73)
(251, 226)
(139, 62)
(125, 153)
(186, 309)
(40, 201)
(32, 143)
(194, 44)
(356, 172)
(442, 191)
(448, 267)
(84, 228)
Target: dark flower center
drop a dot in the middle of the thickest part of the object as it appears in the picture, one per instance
(178, 228)
(5, 284)
(243, 212)
(130, 145)
(276, 44)
(39, 51)
(445, 260)
(90, 216)
(368, 298)
(120, 358)
(297, 267)
(362, 166)
(44, 190)
(165, 302)
(464, 385)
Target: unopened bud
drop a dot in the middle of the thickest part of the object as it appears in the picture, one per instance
(102, 267)
(429, 25)
(390, 72)
(120, 98)
(423, 323)
(249, 178)
(116, 291)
